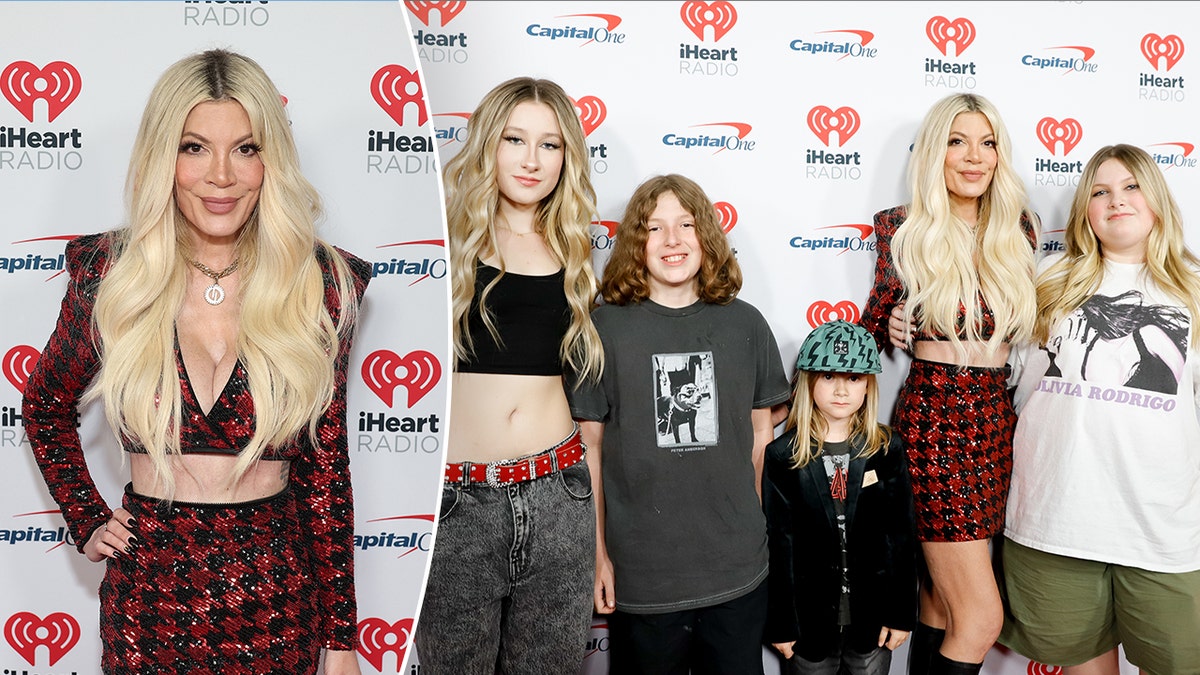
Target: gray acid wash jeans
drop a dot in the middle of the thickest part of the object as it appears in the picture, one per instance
(511, 577)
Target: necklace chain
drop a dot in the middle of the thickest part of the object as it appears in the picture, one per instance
(214, 294)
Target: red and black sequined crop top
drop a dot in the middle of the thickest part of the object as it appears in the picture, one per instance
(888, 290)
(319, 477)
(530, 314)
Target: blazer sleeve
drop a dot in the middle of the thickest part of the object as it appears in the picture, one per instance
(783, 624)
(887, 290)
(50, 405)
(321, 482)
(900, 605)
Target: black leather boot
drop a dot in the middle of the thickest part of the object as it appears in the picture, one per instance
(944, 666)
(923, 644)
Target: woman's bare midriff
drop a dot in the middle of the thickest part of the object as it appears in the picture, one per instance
(495, 417)
(943, 351)
(204, 478)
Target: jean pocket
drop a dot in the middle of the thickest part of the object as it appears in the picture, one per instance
(450, 497)
(576, 481)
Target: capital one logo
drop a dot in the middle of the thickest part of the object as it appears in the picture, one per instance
(394, 88)
(823, 312)
(25, 632)
(447, 9)
(18, 364)
(726, 215)
(23, 83)
(942, 31)
(592, 112)
(1036, 668)
(720, 15)
(1051, 132)
(377, 637)
(824, 121)
(418, 371)
(1155, 48)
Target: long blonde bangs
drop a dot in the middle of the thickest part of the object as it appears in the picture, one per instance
(287, 342)
(944, 263)
(811, 427)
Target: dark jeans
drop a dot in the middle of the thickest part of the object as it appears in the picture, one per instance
(844, 661)
(724, 639)
(510, 579)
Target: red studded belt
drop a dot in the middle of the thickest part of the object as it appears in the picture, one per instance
(506, 472)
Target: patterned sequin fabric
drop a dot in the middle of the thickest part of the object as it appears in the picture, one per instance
(212, 588)
(319, 480)
(957, 427)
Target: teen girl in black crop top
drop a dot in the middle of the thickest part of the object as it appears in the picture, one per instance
(511, 576)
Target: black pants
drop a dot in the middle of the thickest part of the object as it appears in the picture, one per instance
(724, 639)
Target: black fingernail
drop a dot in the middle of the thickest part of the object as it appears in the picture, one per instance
(133, 539)
(132, 522)
(131, 546)
(116, 553)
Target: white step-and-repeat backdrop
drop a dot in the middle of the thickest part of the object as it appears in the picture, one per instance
(355, 100)
(796, 117)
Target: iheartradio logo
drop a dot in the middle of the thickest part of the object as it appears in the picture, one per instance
(377, 637)
(447, 10)
(823, 312)
(18, 364)
(1051, 132)
(942, 31)
(1156, 48)
(823, 121)
(592, 112)
(720, 15)
(25, 632)
(394, 87)
(1036, 668)
(417, 371)
(23, 83)
(726, 215)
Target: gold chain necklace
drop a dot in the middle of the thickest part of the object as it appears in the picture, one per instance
(214, 295)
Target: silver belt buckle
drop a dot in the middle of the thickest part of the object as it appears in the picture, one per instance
(491, 474)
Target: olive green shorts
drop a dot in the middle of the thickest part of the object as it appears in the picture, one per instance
(1064, 611)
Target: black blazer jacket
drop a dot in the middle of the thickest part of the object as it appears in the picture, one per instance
(805, 573)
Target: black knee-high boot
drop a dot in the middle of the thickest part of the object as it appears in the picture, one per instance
(922, 646)
(944, 666)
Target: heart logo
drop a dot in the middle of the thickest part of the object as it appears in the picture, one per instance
(1036, 668)
(381, 371)
(823, 312)
(823, 121)
(1169, 48)
(942, 31)
(394, 87)
(727, 215)
(25, 632)
(18, 364)
(591, 111)
(720, 15)
(447, 10)
(377, 637)
(59, 85)
(1051, 132)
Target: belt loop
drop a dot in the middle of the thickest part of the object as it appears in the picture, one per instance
(466, 475)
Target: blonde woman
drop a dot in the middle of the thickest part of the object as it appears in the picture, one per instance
(1102, 540)
(509, 587)
(957, 262)
(215, 327)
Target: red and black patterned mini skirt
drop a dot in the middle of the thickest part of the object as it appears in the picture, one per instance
(210, 588)
(957, 425)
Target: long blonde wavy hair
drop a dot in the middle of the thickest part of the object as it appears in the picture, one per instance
(945, 265)
(811, 427)
(1069, 282)
(473, 200)
(287, 342)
